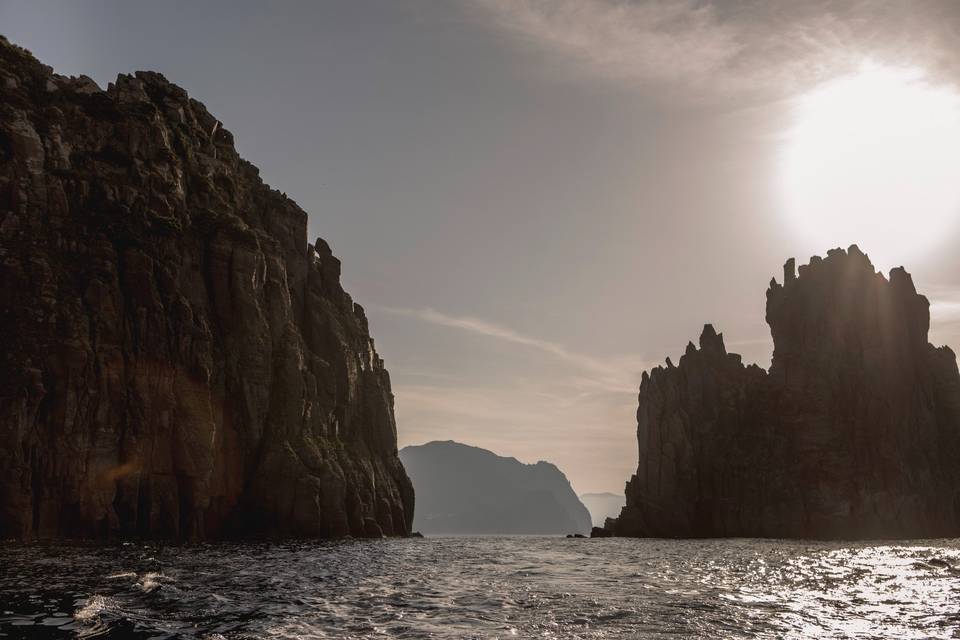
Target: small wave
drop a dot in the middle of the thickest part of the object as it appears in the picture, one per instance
(151, 582)
(446, 589)
(91, 611)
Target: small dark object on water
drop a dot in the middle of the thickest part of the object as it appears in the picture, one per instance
(576, 535)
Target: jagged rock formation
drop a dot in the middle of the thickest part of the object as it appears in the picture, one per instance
(177, 360)
(853, 433)
(468, 490)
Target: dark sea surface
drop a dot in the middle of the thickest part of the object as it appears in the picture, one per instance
(483, 588)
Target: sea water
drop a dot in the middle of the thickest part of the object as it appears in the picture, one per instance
(491, 587)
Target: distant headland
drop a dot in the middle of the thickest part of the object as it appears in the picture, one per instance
(468, 490)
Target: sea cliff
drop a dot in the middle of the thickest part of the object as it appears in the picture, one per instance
(853, 433)
(178, 361)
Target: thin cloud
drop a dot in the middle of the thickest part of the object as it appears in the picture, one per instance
(585, 410)
(646, 40)
(616, 373)
(737, 48)
(944, 312)
(594, 437)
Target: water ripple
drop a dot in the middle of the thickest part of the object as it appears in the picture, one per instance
(483, 588)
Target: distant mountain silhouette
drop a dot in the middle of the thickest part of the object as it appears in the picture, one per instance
(603, 505)
(462, 490)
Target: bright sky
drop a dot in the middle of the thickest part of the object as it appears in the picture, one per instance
(535, 200)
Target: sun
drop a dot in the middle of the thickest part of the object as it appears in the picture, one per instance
(873, 158)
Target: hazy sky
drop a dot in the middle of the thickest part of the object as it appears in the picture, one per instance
(537, 200)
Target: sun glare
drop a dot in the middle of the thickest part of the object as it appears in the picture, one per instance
(874, 159)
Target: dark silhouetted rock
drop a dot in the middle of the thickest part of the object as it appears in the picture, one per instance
(177, 360)
(601, 532)
(576, 535)
(463, 489)
(853, 433)
(371, 528)
(602, 505)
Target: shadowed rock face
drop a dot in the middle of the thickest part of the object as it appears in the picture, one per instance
(853, 433)
(177, 360)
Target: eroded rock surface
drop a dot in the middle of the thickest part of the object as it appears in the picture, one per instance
(177, 360)
(853, 433)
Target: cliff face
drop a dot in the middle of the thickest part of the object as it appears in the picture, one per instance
(468, 490)
(177, 360)
(853, 433)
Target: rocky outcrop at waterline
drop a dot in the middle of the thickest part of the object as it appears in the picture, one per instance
(177, 360)
(853, 433)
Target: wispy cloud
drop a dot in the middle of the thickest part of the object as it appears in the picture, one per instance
(610, 373)
(736, 47)
(944, 306)
(580, 416)
(591, 436)
(945, 311)
(642, 40)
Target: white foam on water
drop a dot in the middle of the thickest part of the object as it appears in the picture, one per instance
(150, 582)
(451, 588)
(91, 611)
(125, 574)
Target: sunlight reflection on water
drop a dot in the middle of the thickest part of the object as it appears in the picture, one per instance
(484, 587)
